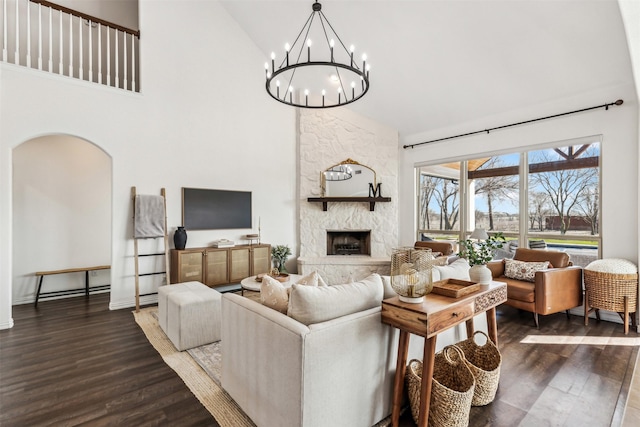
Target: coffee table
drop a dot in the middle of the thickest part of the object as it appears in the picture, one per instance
(251, 284)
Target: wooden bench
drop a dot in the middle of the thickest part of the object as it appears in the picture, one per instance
(84, 290)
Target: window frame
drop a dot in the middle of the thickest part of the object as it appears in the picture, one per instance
(523, 235)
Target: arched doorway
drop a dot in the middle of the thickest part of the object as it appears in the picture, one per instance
(61, 213)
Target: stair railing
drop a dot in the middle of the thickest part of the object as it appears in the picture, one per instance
(46, 36)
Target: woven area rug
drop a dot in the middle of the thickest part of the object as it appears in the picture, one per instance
(219, 404)
(199, 368)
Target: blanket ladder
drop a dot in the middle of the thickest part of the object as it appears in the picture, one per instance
(137, 255)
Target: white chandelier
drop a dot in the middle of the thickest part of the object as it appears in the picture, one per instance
(323, 75)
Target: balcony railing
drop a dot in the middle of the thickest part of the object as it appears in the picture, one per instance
(55, 39)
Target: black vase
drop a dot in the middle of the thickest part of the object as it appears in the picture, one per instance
(180, 238)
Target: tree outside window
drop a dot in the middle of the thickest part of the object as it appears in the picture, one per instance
(566, 179)
(563, 196)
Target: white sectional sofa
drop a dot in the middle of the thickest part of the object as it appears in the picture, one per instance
(335, 373)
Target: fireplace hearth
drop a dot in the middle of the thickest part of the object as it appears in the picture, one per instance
(349, 242)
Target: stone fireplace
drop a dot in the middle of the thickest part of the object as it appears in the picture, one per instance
(349, 242)
(326, 138)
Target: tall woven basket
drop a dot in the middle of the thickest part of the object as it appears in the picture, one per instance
(484, 362)
(451, 392)
(606, 291)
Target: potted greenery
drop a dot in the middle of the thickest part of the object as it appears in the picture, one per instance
(479, 253)
(279, 255)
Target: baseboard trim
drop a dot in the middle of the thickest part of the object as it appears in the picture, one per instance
(7, 325)
(131, 303)
(113, 305)
(31, 299)
(24, 300)
(607, 316)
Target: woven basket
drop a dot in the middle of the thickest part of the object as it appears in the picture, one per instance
(484, 362)
(606, 291)
(451, 391)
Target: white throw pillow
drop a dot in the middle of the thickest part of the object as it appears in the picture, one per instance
(311, 279)
(388, 291)
(459, 269)
(274, 294)
(315, 304)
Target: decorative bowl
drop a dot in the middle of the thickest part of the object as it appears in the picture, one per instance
(282, 277)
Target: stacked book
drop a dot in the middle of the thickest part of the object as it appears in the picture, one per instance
(223, 243)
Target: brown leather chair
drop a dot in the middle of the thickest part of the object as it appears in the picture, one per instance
(555, 289)
(445, 247)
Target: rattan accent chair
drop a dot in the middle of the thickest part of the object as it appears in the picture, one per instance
(612, 285)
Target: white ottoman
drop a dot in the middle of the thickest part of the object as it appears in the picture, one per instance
(163, 298)
(192, 315)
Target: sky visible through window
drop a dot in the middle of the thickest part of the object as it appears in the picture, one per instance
(503, 204)
(563, 192)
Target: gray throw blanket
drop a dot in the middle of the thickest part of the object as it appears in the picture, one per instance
(149, 217)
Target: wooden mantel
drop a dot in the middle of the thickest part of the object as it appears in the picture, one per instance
(371, 200)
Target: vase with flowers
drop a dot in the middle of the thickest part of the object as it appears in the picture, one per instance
(479, 252)
(279, 255)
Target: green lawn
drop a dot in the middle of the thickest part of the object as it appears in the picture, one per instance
(573, 242)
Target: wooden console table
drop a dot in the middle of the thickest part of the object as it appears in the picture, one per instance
(84, 290)
(436, 314)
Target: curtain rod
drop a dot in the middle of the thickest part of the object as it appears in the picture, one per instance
(606, 107)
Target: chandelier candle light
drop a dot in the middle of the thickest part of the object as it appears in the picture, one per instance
(339, 173)
(328, 77)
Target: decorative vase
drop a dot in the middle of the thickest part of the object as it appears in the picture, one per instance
(480, 274)
(180, 238)
(281, 267)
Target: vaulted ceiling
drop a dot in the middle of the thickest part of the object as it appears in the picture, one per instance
(438, 63)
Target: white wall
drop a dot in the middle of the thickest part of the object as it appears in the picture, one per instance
(61, 195)
(630, 11)
(203, 120)
(619, 162)
(121, 12)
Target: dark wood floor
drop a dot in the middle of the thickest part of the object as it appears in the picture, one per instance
(557, 384)
(73, 362)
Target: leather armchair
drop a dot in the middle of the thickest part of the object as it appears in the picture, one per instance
(554, 290)
(445, 247)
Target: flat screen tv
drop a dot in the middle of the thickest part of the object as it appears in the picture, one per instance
(204, 209)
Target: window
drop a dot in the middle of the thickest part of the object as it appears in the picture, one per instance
(551, 202)
(439, 201)
(494, 189)
(564, 196)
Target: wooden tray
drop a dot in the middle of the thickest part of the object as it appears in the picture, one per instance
(454, 288)
(283, 277)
